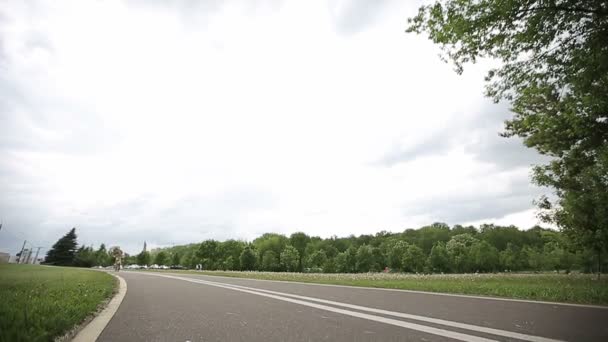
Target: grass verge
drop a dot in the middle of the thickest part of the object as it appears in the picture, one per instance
(41, 303)
(565, 288)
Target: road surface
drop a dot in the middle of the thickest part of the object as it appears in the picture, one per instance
(186, 307)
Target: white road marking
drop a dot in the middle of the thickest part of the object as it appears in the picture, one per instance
(591, 306)
(407, 325)
(466, 326)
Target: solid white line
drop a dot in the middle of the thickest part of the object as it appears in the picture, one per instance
(92, 331)
(407, 325)
(590, 306)
(472, 327)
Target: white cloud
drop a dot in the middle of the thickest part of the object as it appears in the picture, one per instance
(171, 124)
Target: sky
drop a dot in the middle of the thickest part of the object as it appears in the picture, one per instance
(177, 122)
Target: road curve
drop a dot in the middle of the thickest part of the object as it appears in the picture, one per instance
(186, 307)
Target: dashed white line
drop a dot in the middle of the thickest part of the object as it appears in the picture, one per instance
(407, 325)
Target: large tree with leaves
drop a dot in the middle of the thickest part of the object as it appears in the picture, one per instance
(63, 252)
(554, 72)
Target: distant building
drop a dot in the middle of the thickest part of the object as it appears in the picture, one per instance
(4, 258)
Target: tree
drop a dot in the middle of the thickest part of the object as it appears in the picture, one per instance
(189, 259)
(102, 257)
(85, 257)
(290, 258)
(161, 258)
(316, 260)
(229, 251)
(509, 259)
(299, 240)
(554, 74)
(63, 251)
(582, 206)
(330, 266)
(459, 248)
(395, 255)
(534, 257)
(175, 259)
(208, 253)
(270, 241)
(413, 259)
(364, 258)
(438, 258)
(270, 261)
(428, 236)
(485, 257)
(557, 257)
(341, 263)
(144, 258)
(248, 259)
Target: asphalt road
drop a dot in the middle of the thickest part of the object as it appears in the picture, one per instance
(180, 307)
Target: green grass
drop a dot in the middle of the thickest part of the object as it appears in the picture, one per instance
(40, 303)
(566, 288)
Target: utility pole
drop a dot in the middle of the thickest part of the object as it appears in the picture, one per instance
(29, 256)
(36, 257)
(21, 254)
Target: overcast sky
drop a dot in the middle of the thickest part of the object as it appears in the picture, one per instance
(176, 123)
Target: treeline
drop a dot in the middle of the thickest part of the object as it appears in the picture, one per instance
(65, 252)
(433, 249)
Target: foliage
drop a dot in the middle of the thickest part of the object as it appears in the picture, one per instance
(85, 257)
(553, 71)
(161, 258)
(144, 258)
(438, 260)
(459, 252)
(364, 258)
(413, 259)
(175, 259)
(290, 259)
(102, 258)
(63, 251)
(270, 261)
(248, 259)
(299, 240)
(396, 253)
(208, 254)
(270, 241)
(458, 249)
(485, 257)
(316, 259)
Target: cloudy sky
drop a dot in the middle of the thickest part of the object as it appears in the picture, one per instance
(176, 123)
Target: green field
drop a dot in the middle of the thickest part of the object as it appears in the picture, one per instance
(40, 303)
(566, 288)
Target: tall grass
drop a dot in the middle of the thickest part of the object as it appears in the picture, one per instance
(39, 303)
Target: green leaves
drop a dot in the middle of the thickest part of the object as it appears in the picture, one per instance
(63, 252)
(554, 73)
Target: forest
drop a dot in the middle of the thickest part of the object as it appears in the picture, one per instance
(437, 248)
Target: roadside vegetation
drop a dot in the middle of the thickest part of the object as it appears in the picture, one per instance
(41, 303)
(566, 288)
(437, 248)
